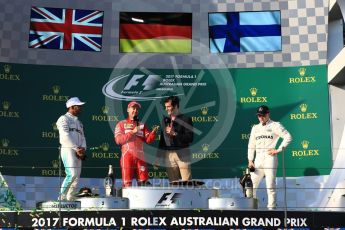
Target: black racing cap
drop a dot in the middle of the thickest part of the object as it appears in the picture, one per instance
(262, 110)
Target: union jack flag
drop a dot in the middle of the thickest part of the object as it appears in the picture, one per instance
(68, 29)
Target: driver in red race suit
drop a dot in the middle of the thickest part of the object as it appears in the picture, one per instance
(131, 134)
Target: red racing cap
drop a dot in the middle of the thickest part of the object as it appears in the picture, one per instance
(133, 103)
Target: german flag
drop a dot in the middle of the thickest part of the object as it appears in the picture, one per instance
(143, 32)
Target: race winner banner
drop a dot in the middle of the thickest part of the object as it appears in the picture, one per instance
(221, 102)
(175, 219)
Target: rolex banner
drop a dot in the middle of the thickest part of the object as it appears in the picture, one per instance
(221, 102)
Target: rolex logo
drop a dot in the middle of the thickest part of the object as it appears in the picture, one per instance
(304, 115)
(105, 109)
(302, 71)
(205, 147)
(302, 78)
(105, 115)
(7, 68)
(253, 98)
(55, 164)
(253, 91)
(6, 105)
(303, 108)
(54, 127)
(204, 110)
(6, 113)
(55, 96)
(5, 142)
(51, 134)
(104, 147)
(205, 154)
(56, 89)
(305, 144)
(305, 152)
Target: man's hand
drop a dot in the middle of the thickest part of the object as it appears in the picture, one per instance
(251, 164)
(81, 153)
(169, 130)
(135, 130)
(272, 152)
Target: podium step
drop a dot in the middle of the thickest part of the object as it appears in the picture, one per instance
(53, 205)
(236, 203)
(92, 203)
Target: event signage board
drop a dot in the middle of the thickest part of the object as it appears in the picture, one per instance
(172, 219)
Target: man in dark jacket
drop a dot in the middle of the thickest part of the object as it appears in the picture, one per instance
(176, 135)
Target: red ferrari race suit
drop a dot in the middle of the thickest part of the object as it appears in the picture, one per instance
(132, 158)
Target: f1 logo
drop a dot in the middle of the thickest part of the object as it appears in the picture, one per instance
(148, 84)
(168, 199)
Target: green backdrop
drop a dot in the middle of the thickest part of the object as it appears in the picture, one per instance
(221, 102)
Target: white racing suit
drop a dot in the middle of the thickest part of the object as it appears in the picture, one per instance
(262, 138)
(71, 135)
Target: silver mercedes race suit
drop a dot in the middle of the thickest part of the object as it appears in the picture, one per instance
(262, 138)
(71, 136)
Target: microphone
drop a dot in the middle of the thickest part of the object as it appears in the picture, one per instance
(167, 121)
(136, 119)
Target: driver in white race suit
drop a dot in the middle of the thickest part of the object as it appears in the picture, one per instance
(262, 144)
(73, 146)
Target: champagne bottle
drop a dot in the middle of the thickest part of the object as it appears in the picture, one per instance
(109, 182)
(248, 185)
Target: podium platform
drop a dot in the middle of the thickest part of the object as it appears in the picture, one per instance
(235, 203)
(103, 203)
(179, 195)
(168, 197)
(55, 205)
